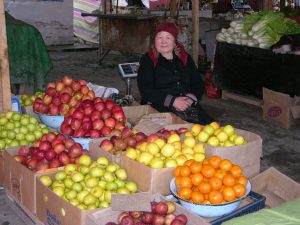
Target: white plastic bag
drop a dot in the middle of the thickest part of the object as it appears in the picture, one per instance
(101, 91)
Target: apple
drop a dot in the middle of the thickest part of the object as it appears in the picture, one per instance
(131, 153)
(145, 158)
(152, 137)
(183, 218)
(222, 136)
(131, 186)
(228, 129)
(42, 165)
(127, 220)
(202, 136)
(213, 141)
(238, 140)
(85, 160)
(169, 219)
(23, 151)
(120, 144)
(177, 222)
(75, 150)
(170, 163)
(19, 158)
(158, 220)
(106, 145)
(168, 150)
(140, 136)
(156, 163)
(46, 180)
(147, 217)
(161, 208)
(126, 132)
(105, 131)
(63, 158)
(121, 173)
(59, 191)
(173, 138)
(135, 214)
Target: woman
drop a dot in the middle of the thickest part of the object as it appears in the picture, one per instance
(168, 78)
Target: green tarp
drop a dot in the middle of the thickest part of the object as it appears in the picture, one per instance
(29, 61)
(285, 214)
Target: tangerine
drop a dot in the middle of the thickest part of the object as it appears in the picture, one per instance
(215, 197)
(176, 172)
(188, 162)
(225, 165)
(236, 171)
(185, 171)
(229, 180)
(197, 197)
(185, 182)
(184, 193)
(204, 187)
(208, 171)
(205, 162)
(195, 167)
(228, 194)
(216, 183)
(214, 161)
(220, 173)
(239, 190)
(242, 180)
(177, 181)
(196, 178)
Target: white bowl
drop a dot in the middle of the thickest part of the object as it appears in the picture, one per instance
(209, 210)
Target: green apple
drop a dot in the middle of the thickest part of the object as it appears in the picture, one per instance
(2, 144)
(24, 121)
(121, 174)
(16, 116)
(60, 191)
(112, 167)
(198, 156)
(82, 206)
(77, 177)
(84, 170)
(123, 190)
(228, 144)
(213, 141)
(3, 121)
(107, 196)
(222, 136)
(120, 183)
(96, 172)
(31, 127)
(77, 187)
(24, 130)
(91, 207)
(81, 195)
(70, 168)
(97, 191)
(238, 140)
(229, 130)
(68, 182)
(102, 161)
(33, 120)
(46, 180)
(74, 201)
(20, 136)
(209, 129)
(38, 134)
(108, 176)
(111, 186)
(202, 136)
(11, 134)
(14, 143)
(89, 199)
(170, 163)
(58, 183)
(156, 163)
(102, 184)
(91, 182)
(85, 160)
(103, 204)
(71, 194)
(131, 186)
(131, 153)
(168, 150)
(60, 175)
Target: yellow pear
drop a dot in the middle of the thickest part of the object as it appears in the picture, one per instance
(173, 138)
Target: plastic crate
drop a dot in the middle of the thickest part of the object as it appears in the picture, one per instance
(257, 204)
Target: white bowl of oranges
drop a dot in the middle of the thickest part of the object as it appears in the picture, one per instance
(212, 188)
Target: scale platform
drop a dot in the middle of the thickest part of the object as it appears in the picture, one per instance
(128, 70)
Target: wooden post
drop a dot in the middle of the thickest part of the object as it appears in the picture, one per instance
(173, 8)
(195, 33)
(5, 95)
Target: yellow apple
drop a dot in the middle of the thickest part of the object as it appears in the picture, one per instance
(222, 136)
(199, 157)
(143, 146)
(195, 130)
(187, 150)
(168, 150)
(217, 131)
(160, 142)
(228, 143)
(190, 142)
(173, 138)
(215, 125)
(188, 156)
(145, 158)
(188, 134)
(156, 163)
(229, 130)
(202, 136)
(177, 153)
(209, 129)
(231, 138)
(131, 153)
(170, 163)
(177, 145)
(152, 148)
(238, 140)
(213, 141)
(199, 147)
(180, 159)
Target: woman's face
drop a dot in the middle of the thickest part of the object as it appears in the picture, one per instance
(164, 42)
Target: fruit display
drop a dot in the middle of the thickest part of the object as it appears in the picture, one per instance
(215, 135)
(162, 213)
(17, 129)
(62, 96)
(27, 100)
(94, 118)
(214, 181)
(89, 185)
(51, 151)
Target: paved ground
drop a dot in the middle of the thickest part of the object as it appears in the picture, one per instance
(280, 147)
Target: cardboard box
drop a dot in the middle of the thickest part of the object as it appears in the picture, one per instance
(280, 108)
(151, 123)
(247, 156)
(147, 178)
(95, 152)
(137, 202)
(135, 113)
(21, 181)
(275, 186)
(2, 171)
(54, 210)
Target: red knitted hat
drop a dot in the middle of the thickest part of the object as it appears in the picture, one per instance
(168, 27)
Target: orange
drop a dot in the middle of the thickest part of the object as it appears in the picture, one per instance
(184, 193)
(176, 172)
(229, 180)
(220, 174)
(197, 197)
(225, 164)
(177, 181)
(195, 167)
(242, 180)
(196, 178)
(185, 182)
(216, 183)
(204, 187)
(205, 161)
(185, 171)
(228, 194)
(239, 190)
(236, 171)
(215, 197)
(208, 171)
(188, 162)
(214, 161)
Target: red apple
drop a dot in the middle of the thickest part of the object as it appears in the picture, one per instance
(116, 108)
(120, 125)
(32, 164)
(51, 91)
(106, 113)
(65, 98)
(79, 133)
(109, 104)
(110, 122)
(67, 90)
(59, 85)
(87, 125)
(135, 214)
(177, 222)
(182, 218)
(95, 133)
(152, 137)
(158, 220)
(50, 136)
(119, 116)
(36, 106)
(56, 100)
(120, 145)
(97, 124)
(97, 99)
(75, 150)
(127, 220)
(50, 85)
(95, 115)
(91, 94)
(63, 158)
(75, 123)
(69, 142)
(47, 99)
(115, 132)
(121, 216)
(45, 146)
(140, 136)
(106, 145)
(88, 110)
(53, 109)
(42, 165)
(78, 114)
(126, 132)
(54, 163)
(19, 158)
(40, 155)
(67, 80)
(76, 86)
(131, 141)
(82, 82)
(24, 150)
(63, 109)
(147, 217)
(99, 106)
(105, 131)
(169, 218)
(43, 109)
(161, 208)
(67, 130)
(49, 155)
(73, 102)
(58, 148)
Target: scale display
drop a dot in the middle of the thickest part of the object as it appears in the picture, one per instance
(128, 70)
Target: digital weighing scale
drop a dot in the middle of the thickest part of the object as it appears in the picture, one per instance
(128, 71)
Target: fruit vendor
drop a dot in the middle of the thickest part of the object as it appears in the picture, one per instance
(168, 78)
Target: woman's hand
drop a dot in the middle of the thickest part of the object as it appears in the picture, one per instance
(182, 103)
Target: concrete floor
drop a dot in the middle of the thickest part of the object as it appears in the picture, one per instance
(281, 147)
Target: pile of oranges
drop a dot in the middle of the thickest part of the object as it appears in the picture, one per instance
(213, 181)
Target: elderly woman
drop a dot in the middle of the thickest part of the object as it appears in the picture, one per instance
(168, 78)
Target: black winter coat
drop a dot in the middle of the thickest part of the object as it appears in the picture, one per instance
(160, 85)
